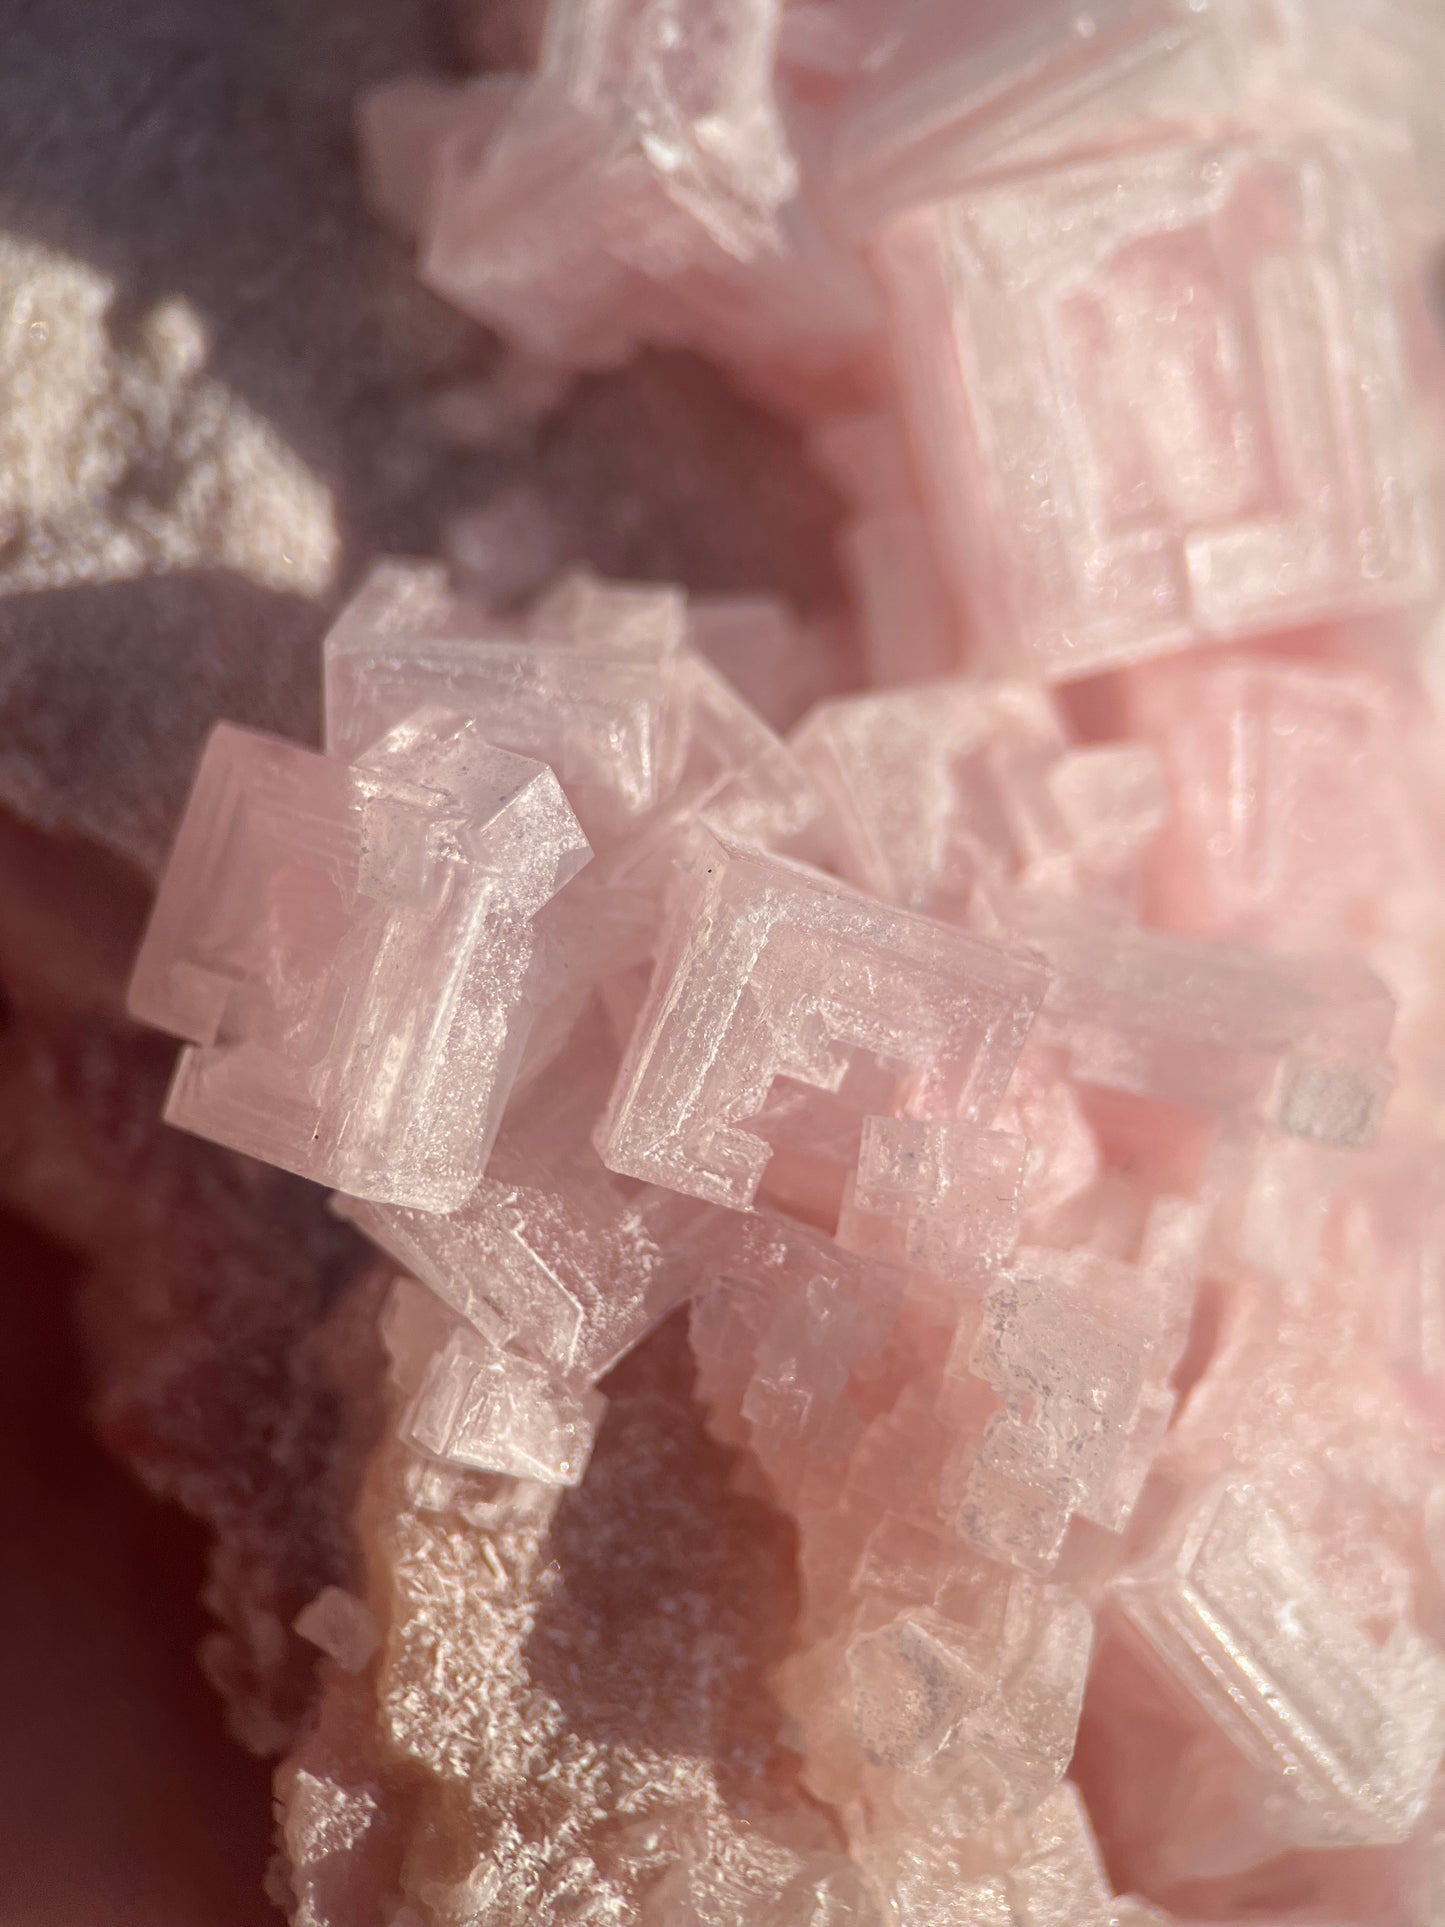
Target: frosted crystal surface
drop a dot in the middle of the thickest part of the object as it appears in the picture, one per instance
(962, 1713)
(1264, 482)
(345, 946)
(962, 90)
(1080, 1349)
(1003, 1002)
(942, 786)
(582, 684)
(1041, 1871)
(936, 1196)
(771, 970)
(1302, 1039)
(481, 1407)
(552, 1256)
(594, 679)
(649, 146)
(1348, 1731)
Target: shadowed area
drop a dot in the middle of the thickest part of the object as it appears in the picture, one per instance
(122, 1800)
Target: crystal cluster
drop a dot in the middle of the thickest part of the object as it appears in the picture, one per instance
(1027, 1068)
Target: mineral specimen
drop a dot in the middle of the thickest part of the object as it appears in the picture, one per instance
(1003, 1066)
(345, 947)
(1090, 519)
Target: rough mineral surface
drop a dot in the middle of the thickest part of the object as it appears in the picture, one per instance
(1027, 1072)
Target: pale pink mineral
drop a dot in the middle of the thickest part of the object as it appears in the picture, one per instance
(1026, 1068)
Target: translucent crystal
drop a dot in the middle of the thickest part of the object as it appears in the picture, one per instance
(1161, 408)
(1080, 1348)
(582, 684)
(935, 1196)
(997, 1062)
(1347, 1730)
(971, 1718)
(488, 1409)
(942, 785)
(1272, 763)
(1301, 1039)
(690, 83)
(779, 665)
(783, 1321)
(345, 947)
(403, 126)
(1041, 1870)
(341, 1626)
(1355, 65)
(551, 1257)
(961, 91)
(769, 970)
(893, 765)
(648, 145)
(732, 771)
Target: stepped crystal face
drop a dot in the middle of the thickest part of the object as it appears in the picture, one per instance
(345, 947)
(1355, 1726)
(1163, 409)
(582, 686)
(773, 971)
(894, 1091)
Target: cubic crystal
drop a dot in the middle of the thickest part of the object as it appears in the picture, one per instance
(582, 685)
(1080, 1348)
(1163, 409)
(1347, 1731)
(482, 1407)
(1303, 1040)
(345, 948)
(770, 970)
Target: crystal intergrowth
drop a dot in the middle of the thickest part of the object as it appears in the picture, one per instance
(1025, 1066)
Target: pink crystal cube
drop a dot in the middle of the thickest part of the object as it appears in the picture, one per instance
(1038, 1868)
(648, 147)
(1292, 804)
(582, 683)
(1160, 406)
(940, 1197)
(970, 1717)
(488, 1409)
(690, 83)
(1080, 1349)
(552, 1257)
(941, 785)
(1302, 1041)
(771, 970)
(1347, 1731)
(345, 947)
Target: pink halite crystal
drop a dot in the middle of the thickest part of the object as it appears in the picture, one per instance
(1232, 1606)
(768, 970)
(552, 1257)
(1162, 410)
(582, 684)
(648, 142)
(482, 1407)
(1003, 1064)
(345, 948)
(1301, 1039)
(935, 1195)
(961, 91)
(1080, 1349)
(944, 785)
